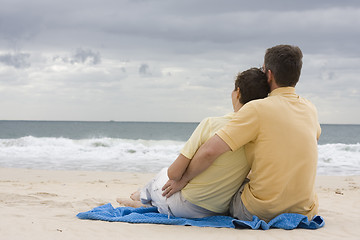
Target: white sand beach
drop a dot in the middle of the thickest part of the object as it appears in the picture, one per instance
(42, 204)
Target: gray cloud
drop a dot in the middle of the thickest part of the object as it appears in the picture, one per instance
(86, 56)
(188, 49)
(187, 27)
(144, 69)
(17, 60)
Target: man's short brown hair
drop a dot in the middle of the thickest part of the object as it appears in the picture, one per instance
(285, 62)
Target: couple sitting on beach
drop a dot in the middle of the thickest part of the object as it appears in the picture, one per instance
(273, 135)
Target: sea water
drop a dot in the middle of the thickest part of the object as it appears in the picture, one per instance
(138, 146)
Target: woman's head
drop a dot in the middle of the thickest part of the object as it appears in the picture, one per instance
(250, 85)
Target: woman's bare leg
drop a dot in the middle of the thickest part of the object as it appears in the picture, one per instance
(129, 203)
(135, 196)
(134, 202)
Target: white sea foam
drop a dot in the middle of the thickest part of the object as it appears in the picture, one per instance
(339, 159)
(108, 154)
(113, 154)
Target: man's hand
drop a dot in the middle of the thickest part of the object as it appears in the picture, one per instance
(172, 187)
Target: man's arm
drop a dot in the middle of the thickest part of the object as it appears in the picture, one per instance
(203, 158)
(178, 167)
(198, 137)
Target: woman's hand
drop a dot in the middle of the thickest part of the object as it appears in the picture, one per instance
(172, 187)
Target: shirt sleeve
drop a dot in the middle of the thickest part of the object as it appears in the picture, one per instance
(318, 132)
(243, 128)
(318, 127)
(198, 137)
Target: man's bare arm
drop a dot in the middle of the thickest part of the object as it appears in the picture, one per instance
(203, 158)
(178, 167)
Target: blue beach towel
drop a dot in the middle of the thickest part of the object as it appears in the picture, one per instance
(286, 221)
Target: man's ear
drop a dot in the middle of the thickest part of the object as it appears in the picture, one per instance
(238, 94)
(270, 77)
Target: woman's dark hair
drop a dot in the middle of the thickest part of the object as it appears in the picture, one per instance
(253, 85)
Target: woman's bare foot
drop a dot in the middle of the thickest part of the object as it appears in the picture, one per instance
(135, 196)
(129, 203)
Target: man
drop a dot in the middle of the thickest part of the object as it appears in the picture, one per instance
(280, 136)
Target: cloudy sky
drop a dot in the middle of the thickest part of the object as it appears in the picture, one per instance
(167, 60)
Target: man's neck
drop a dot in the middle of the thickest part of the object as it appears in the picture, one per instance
(273, 86)
(271, 81)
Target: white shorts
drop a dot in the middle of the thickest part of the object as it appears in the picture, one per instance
(176, 205)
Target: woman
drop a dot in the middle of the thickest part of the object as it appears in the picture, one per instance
(210, 192)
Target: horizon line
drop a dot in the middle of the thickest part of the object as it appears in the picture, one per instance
(135, 121)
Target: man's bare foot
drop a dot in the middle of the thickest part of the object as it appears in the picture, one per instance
(129, 203)
(135, 196)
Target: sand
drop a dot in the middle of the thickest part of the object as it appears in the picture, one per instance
(42, 204)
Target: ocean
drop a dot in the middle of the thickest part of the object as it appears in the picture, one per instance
(138, 146)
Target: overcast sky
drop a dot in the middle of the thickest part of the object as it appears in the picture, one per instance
(167, 60)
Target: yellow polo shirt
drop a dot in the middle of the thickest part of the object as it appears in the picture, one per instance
(280, 133)
(214, 188)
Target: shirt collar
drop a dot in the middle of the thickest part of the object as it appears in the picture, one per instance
(282, 91)
(230, 115)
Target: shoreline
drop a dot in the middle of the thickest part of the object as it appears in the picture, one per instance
(43, 204)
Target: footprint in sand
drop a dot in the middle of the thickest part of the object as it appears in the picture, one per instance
(45, 194)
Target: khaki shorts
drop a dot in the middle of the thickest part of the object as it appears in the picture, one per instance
(237, 207)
